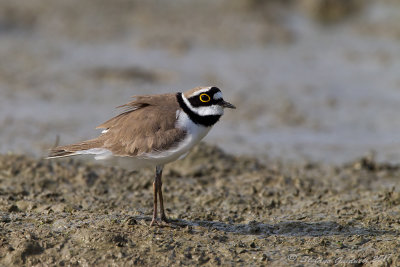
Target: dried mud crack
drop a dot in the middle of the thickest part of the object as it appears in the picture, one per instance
(225, 210)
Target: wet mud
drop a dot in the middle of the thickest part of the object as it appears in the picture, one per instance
(224, 210)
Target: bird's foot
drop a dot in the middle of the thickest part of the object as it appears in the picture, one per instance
(154, 222)
(164, 221)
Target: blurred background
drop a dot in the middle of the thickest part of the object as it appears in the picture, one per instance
(312, 79)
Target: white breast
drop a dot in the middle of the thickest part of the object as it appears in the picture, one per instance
(195, 133)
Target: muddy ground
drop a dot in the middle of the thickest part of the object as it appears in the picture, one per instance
(312, 79)
(225, 210)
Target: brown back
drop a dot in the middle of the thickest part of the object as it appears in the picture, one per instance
(147, 125)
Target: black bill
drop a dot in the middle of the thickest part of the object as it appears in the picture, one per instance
(226, 104)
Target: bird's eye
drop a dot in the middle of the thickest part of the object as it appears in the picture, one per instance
(205, 98)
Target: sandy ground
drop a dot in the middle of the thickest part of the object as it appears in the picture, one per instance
(225, 210)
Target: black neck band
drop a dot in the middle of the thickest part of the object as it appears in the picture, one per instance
(207, 120)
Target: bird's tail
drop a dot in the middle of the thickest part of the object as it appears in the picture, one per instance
(59, 152)
(93, 146)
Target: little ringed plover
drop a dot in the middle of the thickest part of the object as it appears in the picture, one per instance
(153, 131)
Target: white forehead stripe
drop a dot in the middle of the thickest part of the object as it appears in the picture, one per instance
(200, 91)
(217, 96)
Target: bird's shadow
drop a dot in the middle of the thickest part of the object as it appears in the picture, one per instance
(285, 228)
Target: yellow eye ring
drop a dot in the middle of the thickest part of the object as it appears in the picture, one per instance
(204, 98)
